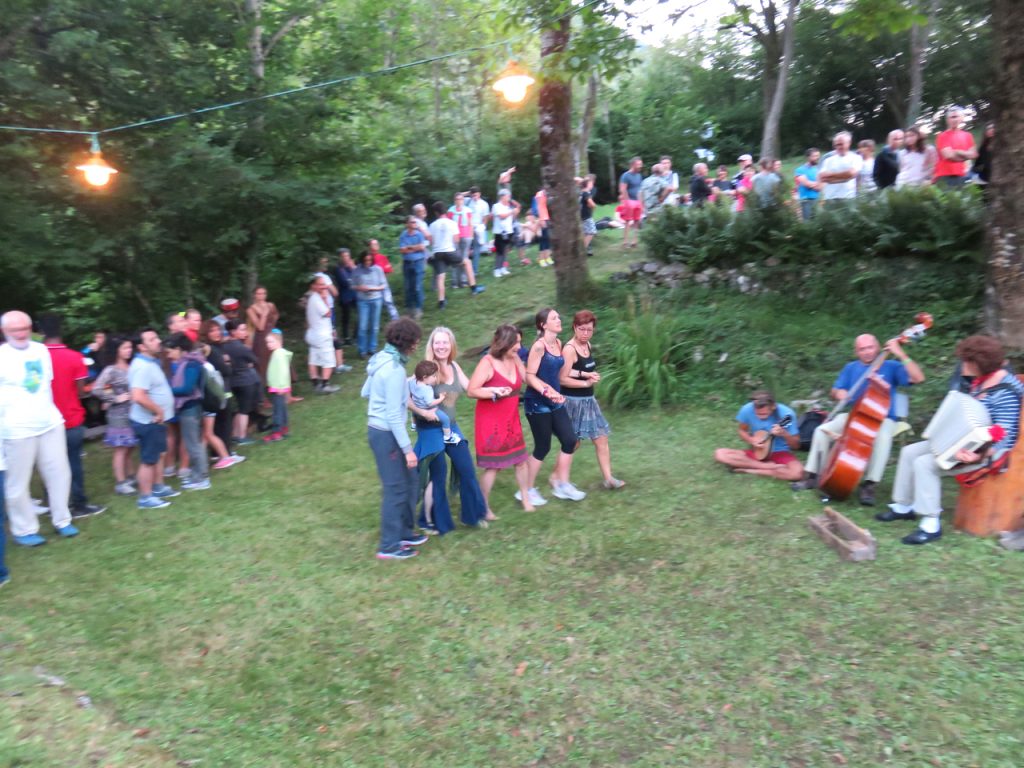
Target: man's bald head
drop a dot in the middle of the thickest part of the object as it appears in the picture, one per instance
(866, 347)
(17, 328)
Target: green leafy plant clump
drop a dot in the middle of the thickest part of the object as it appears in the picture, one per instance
(923, 223)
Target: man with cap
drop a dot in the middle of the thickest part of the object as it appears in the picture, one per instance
(32, 431)
(228, 311)
(744, 161)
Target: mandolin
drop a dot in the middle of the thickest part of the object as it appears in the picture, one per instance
(763, 447)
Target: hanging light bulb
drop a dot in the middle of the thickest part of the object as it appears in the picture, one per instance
(96, 170)
(513, 83)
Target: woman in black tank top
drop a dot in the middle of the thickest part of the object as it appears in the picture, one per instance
(579, 375)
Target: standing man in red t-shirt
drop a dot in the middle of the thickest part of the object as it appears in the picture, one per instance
(955, 147)
(69, 378)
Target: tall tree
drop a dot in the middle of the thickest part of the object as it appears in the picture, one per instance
(920, 35)
(1005, 293)
(772, 118)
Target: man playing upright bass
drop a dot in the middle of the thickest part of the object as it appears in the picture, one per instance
(901, 372)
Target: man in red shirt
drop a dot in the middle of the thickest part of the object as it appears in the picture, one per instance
(955, 147)
(69, 379)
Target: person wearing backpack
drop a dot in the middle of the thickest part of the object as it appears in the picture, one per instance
(187, 386)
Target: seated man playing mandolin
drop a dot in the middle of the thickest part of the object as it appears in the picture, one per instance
(849, 388)
(917, 490)
(771, 431)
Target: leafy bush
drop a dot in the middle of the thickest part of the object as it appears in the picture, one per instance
(645, 353)
(924, 223)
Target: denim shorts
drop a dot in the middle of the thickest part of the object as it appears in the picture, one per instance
(152, 441)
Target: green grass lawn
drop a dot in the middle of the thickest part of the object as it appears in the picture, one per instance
(691, 619)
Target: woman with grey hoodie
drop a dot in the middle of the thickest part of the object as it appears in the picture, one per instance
(387, 415)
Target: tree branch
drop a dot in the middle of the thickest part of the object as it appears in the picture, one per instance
(287, 27)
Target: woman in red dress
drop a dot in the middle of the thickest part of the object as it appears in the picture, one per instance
(498, 431)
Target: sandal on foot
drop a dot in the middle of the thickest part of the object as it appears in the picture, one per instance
(614, 484)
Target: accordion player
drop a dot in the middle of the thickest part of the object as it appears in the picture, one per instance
(971, 434)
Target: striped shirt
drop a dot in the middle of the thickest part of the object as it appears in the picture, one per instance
(1003, 404)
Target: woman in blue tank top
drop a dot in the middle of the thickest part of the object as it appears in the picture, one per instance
(545, 410)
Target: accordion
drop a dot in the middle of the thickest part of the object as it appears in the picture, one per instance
(961, 422)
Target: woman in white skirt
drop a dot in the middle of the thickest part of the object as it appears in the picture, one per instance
(578, 377)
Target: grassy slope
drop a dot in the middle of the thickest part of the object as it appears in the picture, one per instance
(691, 619)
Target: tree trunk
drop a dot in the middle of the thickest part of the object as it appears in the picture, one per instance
(919, 35)
(613, 186)
(580, 159)
(1005, 290)
(770, 136)
(555, 113)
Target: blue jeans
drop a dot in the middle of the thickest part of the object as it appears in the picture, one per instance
(369, 322)
(807, 209)
(399, 490)
(4, 573)
(190, 421)
(412, 276)
(76, 439)
(475, 254)
(279, 402)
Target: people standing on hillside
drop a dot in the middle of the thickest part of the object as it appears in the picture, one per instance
(387, 413)
(577, 378)
(540, 209)
(700, 190)
(766, 184)
(629, 198)
(495, 385)
(187, 369)
(111, 388)
(545, 408)
(228, 311)
(918, 160)
(462, 215)
(653, 191)
(745, 188)
(671, 180)
(32, 432)
(345, 311)
(745, 161)
(218, 423)
(152, 407)
(69, 378)
(481, 218)
(320, 335)
(261, 316)
(444, 242)
(279, 385)
(587, 206)
(503, 218)
(245, 382)
(722, 187)
(839, 171)
(807, 185)
(382, 261)
(412, 244)
(887, 164)
(370, 284)
(866, 175)
(955, 148)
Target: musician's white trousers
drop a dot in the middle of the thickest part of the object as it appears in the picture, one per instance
(826, 435)
(918, 482)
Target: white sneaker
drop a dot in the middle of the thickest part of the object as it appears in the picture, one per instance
(535, 498)
(453, 439)
(505, 271)
(568, 491)
(499, 273)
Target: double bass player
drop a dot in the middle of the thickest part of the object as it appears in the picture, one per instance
(849, 388)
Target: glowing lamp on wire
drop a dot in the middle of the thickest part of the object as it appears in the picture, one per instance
(513, 83)
(96, 170)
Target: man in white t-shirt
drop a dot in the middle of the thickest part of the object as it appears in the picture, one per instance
(503, 219)
(481, 216)
(671, 179)
(32, 432)
(444, 238)
(839, 171)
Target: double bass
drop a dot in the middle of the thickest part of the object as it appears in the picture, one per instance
(852, 451)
